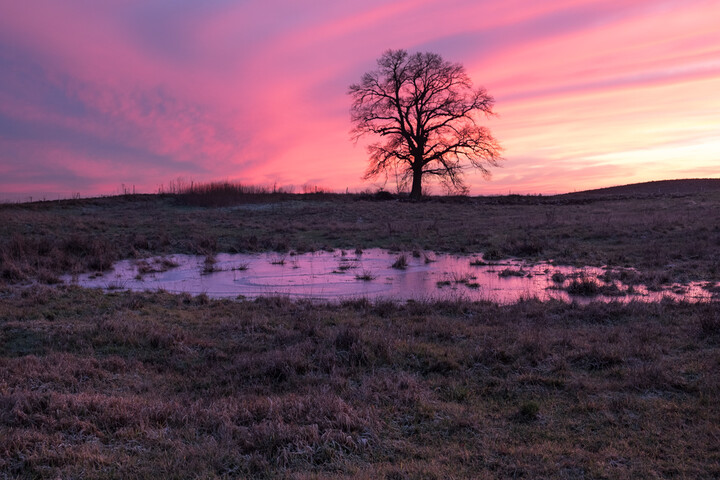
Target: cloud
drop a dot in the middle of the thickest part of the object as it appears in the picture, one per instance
(141, 92)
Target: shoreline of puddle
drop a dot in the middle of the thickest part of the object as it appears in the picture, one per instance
(378, 274)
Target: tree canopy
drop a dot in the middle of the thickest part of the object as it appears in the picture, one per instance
(427, 114)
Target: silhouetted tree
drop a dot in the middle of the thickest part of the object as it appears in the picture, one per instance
(426, 110)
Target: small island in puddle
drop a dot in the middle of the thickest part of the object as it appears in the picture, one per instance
(381, 274)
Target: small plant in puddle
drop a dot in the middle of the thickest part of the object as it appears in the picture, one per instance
(344, 266)
(280, 260)
(511, 272)
(365, 276)
(462, 277)
(209, 265)
(116, 286)
(583, 286)
(168, 263)
(458, 279)
(157, 265)
(401, 262)
(144, 267)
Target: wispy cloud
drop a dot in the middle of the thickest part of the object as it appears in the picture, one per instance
(97, 94)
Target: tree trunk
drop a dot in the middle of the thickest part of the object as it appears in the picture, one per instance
(416, 192)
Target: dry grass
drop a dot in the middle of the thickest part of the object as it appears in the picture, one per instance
(666, 237)
(150, 385)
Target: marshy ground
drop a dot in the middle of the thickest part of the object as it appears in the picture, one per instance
(666, 236)
(141, 385)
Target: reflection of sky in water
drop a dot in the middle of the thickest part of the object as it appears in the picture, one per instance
(336, 275)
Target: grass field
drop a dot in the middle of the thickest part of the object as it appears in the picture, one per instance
(153, 385)
(666, 236)
(131, 385)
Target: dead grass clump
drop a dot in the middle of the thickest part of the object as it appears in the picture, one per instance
(203, 245)
(278, 260)
(648, 376)
(48, 277)
(512, 272)
(95, 252)
(9, 270)
(401, 262)
(528, 412)
(157, 265)
(427, 359)
(710, 322)
(493, 253)
(583, 286)
(365, 276)
(385, 308)
(612, 290)
(596, 360)
(209, 265)
(358, 351)
(558, 277)
(357, 304)
(525, 247)
(219, 194)
(25, 257)
(655, 281)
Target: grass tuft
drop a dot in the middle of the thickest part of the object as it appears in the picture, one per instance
(365, 276)
(400, 262)
(583, 286)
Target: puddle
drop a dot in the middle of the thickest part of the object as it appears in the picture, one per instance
(370, 274)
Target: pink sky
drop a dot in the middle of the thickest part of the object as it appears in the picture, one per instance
(94, 95)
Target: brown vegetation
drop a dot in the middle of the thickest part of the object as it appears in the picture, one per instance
(151, 385)
(666, 237)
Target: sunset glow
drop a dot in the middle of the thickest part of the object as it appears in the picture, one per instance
(95, 95)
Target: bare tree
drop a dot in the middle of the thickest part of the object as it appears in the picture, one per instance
(427, 112)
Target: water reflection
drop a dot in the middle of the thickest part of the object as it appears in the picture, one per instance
(376, 274)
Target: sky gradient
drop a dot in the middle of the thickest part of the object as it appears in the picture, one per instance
(94, 95)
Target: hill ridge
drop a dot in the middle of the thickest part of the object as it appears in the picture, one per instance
(658, 187)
